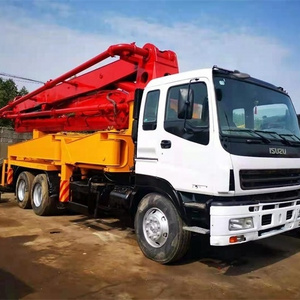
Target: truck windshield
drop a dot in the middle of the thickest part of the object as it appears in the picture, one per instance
(254, 111)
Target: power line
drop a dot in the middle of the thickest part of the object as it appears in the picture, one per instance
(21, 78)
(23, 81)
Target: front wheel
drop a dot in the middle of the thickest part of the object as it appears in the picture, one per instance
(159, 229)
(41, 202)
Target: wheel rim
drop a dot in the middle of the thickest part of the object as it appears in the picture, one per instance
(155, 227)
(37, 195)
(21, 190)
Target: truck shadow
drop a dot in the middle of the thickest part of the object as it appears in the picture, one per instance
(229, 260)
(244, 258)
(106, 222)
(3, 200)
(11, 287)
(20, 260)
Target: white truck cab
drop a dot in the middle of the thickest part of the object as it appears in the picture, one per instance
(228, 146)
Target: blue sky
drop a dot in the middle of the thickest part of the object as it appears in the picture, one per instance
(42, 39)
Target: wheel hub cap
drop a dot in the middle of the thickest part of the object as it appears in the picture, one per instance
(37, 195)
(21, 190)
(155, 227)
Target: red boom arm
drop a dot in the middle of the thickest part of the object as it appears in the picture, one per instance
(95, 100)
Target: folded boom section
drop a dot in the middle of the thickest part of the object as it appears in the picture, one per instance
(96, 100)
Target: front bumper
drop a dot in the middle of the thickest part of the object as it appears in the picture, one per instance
(268, 219)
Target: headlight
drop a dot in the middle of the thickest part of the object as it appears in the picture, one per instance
(241, 223)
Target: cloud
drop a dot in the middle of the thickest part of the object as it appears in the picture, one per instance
(60, 9)
(198, 46)
(202, 45)
(42, 50)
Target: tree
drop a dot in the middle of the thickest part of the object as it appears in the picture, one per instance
(8, 91)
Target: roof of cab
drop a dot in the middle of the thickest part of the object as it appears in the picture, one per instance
(180, 76)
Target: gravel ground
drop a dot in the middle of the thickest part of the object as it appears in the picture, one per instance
(71, 256)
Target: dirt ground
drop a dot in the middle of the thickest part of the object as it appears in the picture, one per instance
(74, 257)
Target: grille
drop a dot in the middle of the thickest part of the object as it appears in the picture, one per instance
(266, 219)
(277, 228)
(286, 204)
(266, 207)
(261, 179)
(289, 214)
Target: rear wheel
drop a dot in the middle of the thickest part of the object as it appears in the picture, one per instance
(159, 229)
(23, 189)
(42, 203)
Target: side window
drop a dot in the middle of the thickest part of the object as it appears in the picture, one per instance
(197, 128)
(150, 112)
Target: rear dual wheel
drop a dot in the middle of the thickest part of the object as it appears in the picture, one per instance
(41, 202)
(33, 192)
(23, 189)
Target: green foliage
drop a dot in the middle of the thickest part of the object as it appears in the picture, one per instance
(23, 91)
(8, 91)
(239, 119)
(257, 123)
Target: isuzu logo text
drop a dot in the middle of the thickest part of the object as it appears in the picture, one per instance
(277, 151)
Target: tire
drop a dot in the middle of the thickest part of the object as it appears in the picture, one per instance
(159, 229)
(23, 189)
(42, 204)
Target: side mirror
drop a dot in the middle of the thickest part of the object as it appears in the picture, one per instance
(185, 104)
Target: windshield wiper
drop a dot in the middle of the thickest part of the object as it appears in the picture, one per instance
(266, 140)
(282, 136)
(263, 138)
(291, 135)
(286, 141)
(275, 135)
(283, 139)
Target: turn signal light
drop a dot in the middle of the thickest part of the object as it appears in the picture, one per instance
(236, 239)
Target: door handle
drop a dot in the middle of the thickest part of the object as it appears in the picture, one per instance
(165, 144)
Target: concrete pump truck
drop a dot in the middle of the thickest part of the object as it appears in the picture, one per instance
(210, 151)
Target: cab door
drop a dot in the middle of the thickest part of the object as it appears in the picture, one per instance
(186, 152)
